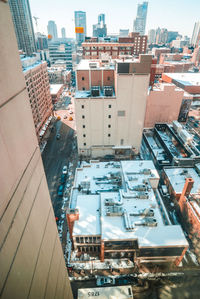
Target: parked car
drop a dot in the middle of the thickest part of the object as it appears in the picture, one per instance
(60, 190)
(58, 136)
(70, 112)
(63, 178)
(105, 280)
(65, 116)
(109, 157)
(64, 170)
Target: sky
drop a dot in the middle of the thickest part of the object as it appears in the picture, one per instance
(175, 15)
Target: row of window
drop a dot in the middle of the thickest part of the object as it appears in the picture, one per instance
(83, 78)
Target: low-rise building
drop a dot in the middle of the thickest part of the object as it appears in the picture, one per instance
(116, 212)
(189, 82)
(164, 103)
(110, 103)
(172, 145)
(132, 45)
(56, 91)
(37, 85)
(184, 187)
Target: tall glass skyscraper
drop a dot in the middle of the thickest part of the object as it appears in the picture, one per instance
(22, 20)
(196, 35)
(52, 29)
(80, 21)
(139, 24)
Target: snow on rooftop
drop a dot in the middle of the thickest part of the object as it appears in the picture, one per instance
(54, 88)
(185, 78)
(89, 218)
(107, 194)
(177, 178)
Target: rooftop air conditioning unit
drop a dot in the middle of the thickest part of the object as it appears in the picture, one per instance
(108, 91)
(93, 65)
(95, 91)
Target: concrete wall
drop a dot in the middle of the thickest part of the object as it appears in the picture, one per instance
(163, 104)
(31, 257)
(98, 121)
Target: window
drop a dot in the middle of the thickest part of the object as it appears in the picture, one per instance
(121, 113)
(109, 126)
(83, 88)
(84, 144)
(82, 106)
(83, 126)
(83, 78)
(122, 141)
(84, 135)
(108, 78)
(109, 135)
(109, 106)
(109, 116)
(83, 116)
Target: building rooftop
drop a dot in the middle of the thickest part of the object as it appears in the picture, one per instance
(86, 64)
(116, 200)
(178, 175)
(29, 62)
(187, 79)
(54, 88)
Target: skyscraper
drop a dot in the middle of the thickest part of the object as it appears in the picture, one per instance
(80, 26)
(100, 30)
(31, 257)
(52, 29)
(139, 24)
(63, 32)
(22, 20)
(151, 36)
(196, 34)
(101, 18)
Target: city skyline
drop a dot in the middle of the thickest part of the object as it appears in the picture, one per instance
(160, 14)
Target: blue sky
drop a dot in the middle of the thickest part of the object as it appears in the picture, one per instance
(175, 15)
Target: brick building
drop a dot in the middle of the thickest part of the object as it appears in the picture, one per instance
(135, 44)
(37, 85)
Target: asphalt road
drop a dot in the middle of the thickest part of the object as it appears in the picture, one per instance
(55, 155)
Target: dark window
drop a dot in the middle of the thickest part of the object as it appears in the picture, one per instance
(83, 116)
(109, 126)
(82, 106)
(109, 106)
(108, 135)
(83, 88)
(83, 126)
(108, 78)
(84, 144)
(84, 135)
(109, 116)
(83, 78)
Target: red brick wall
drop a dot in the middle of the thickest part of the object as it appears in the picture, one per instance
(83, 83)
(110, 74)
(96, 78)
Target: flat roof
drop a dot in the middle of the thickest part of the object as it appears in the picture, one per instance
(127, 187)
(119, 292)
(86, 63)
(54, 88)
(187, 79)
(178, 175)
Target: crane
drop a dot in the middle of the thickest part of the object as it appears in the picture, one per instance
(36, 21)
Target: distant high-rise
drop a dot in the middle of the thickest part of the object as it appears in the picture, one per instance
(52, 29)
(151, 36)
(80, 26)
(196, 34)
(22, 20)
(100, 29)
(139, 24)
(101, 18)
(123, 32)
(63, 32)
